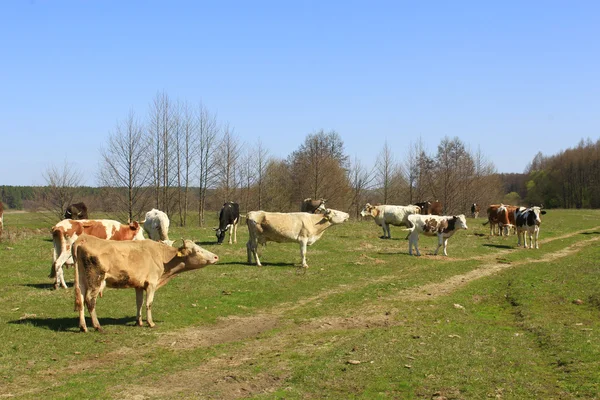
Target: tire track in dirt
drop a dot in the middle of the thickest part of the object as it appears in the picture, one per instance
(215, 379)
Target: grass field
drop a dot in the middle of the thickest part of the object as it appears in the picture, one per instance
(365, 321)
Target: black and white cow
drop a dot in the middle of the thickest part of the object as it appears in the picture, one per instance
(528, 221)
(434, 225)
(313, 206)
(228, 218)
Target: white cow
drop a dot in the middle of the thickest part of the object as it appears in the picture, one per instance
(386, 215)
(434, 225)
(529, 221)
(300, 227)
(156, 226)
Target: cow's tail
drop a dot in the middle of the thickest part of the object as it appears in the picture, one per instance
(58, 243)
(76, 288)
(486, 222)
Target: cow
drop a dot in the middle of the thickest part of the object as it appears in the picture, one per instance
(475, 210)
(300, 227)
(76, 211)
(228, 218)
(512, 217)
(66, 232)
(156, 225)
(434, 225)
(430, 208)
(386, 215)
(143, 265)
(1, 218)
(528, 221)
(313, 206)
(498, 216)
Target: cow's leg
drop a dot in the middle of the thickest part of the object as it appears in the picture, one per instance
(149, 300)
(440, 244)
(384, 227)
(536, 235)
(234, 233)
(252, 250)
(139, 302)
(90, 303)
(445, 246)
(58, 270)
(303, 253)
(414, 239)
(79, 293)
(530, 234)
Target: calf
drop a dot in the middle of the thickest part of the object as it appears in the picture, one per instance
(303, 228)
(66, 232)
(386, 215)
(228, 218)
(143, 265)
(529, 221)
(475, 210)
(433, 225)
(156, 225)
(313, 206)
(76, 211)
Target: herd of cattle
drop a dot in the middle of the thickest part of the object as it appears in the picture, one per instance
(109, 253)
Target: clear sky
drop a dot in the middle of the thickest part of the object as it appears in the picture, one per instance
(509, 77)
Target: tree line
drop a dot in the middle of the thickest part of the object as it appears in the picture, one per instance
(181, 159)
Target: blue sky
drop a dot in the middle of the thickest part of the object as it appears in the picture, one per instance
(509, 78)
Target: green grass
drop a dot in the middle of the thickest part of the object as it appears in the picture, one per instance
(527, 329)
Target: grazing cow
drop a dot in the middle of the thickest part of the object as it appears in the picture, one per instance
(66, 232)
(156, 225)
(76, 211)
(313, 206)
(386, 215)
(228, 218)
(1, 218)
(431, 225)
(528, 221)
(475, 210)
(303, 228)
(498, 216)
(143, 265)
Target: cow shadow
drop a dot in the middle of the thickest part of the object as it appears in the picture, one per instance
(71, 324)
(590, 233)
(42, 286)
(48, 240)
(498, 246)
(264, 264)
(205, 243)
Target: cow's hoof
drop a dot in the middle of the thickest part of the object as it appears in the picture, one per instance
(83, 329)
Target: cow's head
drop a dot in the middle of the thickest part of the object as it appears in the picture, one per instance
(321, 209)
(220, 233)
(195, 256)
(460, 222)
(335, 216)
(368, 211)
(139, 233)
(535, 215)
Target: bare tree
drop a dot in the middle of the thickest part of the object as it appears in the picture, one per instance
(124, 168)
(361, 180)
(228, 166)
(61, 188)
(386, 168)
(262, 159)
(207, 138)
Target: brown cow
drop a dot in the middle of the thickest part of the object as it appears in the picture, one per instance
(141, 264)
(430, 207)
(76, 211)
(66, 232)
(313, 206)
(498, 216)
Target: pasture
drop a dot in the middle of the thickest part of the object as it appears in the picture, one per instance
(365, 321)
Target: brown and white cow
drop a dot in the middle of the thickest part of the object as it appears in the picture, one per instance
(67, 231)
(313, 206)
(434, 225)
(386, 215)
(156, 225)
(140, 264)
(475, 210)
(528, 222)
(301, 227)
(498, 216)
